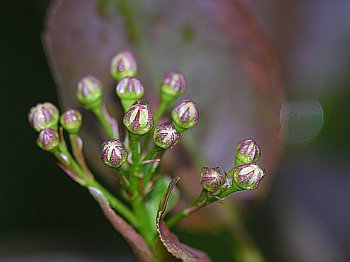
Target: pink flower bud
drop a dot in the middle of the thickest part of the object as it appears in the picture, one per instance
(139, 119)
(71, 121)
(113, 153)
(248, 176)
(89, 92)
(185, 115)
(123, 64)
(166, 136)
(48, 139)
(173, 84)
(211, 179)
(43, 116)
(247, 152)
(129, 88)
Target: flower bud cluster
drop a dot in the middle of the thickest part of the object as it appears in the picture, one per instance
(138, 120)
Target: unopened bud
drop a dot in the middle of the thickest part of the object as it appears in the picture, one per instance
(71, 121)
(130, 88)
(247, 152)
(123, 64)
(185, 115)
(248, 176)
(211, 179)
(113, 153)
(166, 136)
(139, 119)
(43, 116)
(173, 85)
(48, 139)
(89, 92)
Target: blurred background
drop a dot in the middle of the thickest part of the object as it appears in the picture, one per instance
(305, 217)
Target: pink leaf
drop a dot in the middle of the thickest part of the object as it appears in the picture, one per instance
(170, 241)
(136, 242)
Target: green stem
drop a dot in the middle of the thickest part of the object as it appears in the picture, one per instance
(161, 109)
(85, 180)
(102, 118)
(151, 153)
(77, 146)
(149, 168)
(115, 203)
(200, 202)
(137, 190)
(127, 103)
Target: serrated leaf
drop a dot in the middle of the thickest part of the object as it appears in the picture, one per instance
(169, 240)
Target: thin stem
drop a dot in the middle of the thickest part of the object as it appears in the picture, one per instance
(149, 169)
(197, 204)
(85, 180)
(115, 203)
(77, 147)
(137, 190)
(202, 201)
(161, 109)
(105, 120)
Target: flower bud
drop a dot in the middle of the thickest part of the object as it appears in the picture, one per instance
(129, 88)
(43, 116)
(89, 92)
(248, 176)
(166, 136)
(138, 119)
(113, 153)
(173, 85)
(48, 139)
(71, 121)
(211, 179)
(123, 64)
(185, 115)
(247, 151)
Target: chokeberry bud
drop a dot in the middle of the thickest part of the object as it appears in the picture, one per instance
(166, 136)
(113, 153)
(123, 64)
(247, 152)
(248, 176)
(129, 90)
(71, 121)
(139, 119)
(211, 179)
(89, 92)
(173, 84)
(48, 139)
(185, 115)
(44, 116)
